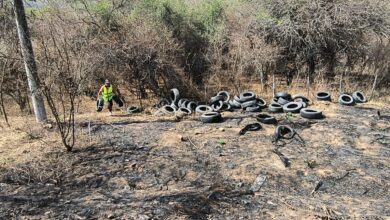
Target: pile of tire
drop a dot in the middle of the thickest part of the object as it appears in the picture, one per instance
(284, 102)
(248, 101)
(176, 104)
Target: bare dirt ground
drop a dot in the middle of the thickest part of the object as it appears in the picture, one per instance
(146, 167)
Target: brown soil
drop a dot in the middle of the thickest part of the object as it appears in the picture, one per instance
(156, 167)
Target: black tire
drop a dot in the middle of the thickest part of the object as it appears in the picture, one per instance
(211, 117)
(283, 101)
(237, 99)
(311, 113)
(184, 110)
(247, 96)
(234, 103)
(181, 101)
(216, 99)
(218, 106)
(266, 119)
(203, 109)
(284, 95)
(249, 104)
(359, 97)
(261, 102)
(168, 109)
(162, 102)
(304, 104)
(298, 97)
(253, 109)
(99, 104)
(118, 100)
(250, 127)
(133, 109)
(174, 95)
(293, 107)
(346, 99)
(284, 132)
(225, 94)
(323, 96)
(192, 105)
(228, 107)
(275, 108)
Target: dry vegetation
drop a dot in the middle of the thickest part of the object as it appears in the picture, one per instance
(147, 167)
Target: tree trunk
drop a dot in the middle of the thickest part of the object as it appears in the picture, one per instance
(29, 61)
(312, 69)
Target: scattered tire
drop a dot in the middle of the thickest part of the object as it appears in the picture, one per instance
(266, 119)
(180, 102)
(247, 96)
(174, 95)
(203, 109)
(323, 96)
(284, 132)
(275, 108)
(359, 97)
(118, 100)
(211, 117)
(311, 113)
(218, 106)
(300, 97)
(248, 104)
(250, 127)
(225, 94)
(191, 105)
(168, 109)
(346, 99)
(253, 109)
(261, 102)
(133, 109)
(293, 107)
(282, 101)
(216, 99)
(184, 111)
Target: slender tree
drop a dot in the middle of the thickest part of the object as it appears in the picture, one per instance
(29, 61)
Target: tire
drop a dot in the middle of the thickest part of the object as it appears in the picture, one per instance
(162, 102)
(99, 104)
(225, 94)
(185, 103)
(346, 99)
(284, 95)
(297, 97)
(249, 104)
(180, 102)
(133, 109)
(191, 105)
(216, 99)
(253, 109)
(275, 108)
(293, 107)
(117, 100)
(250, 127)
(311, 113)
(174, 105)
(174, 95)
(247, 96)
(234, 103)
(284, 131)
(227, 107)
(261, 102)
(168, 109)
(304, 104)
(184, 111)
(211, 117)
(266, 119)
(359, 97)
(203, 109)
(218, 106)
(323, 96)
(282, 101)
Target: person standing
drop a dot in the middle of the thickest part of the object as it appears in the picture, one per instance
(106, 92)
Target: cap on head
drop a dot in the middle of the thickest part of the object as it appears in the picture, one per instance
(107, 82)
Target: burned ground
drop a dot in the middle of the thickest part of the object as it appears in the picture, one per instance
(163, 169)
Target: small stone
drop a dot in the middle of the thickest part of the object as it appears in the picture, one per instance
(221, 129)
(258, 183)
(49, 126)
(47, 213)
(143, 217)
(111, 216)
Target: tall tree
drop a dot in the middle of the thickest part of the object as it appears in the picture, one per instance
(29, 61)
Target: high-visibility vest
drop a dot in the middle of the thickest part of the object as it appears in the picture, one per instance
(107, 93)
